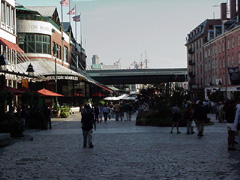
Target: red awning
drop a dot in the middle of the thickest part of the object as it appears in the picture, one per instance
(45, 92)
(108, 89)
(11, 45)
(13, 90)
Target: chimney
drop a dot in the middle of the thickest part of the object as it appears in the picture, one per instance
(223, 7)
(232, 9)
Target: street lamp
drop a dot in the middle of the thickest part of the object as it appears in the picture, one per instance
(55, 49)
(30, 70)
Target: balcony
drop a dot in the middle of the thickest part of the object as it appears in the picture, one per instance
(191, 63)
(191, 74)
(190, 51)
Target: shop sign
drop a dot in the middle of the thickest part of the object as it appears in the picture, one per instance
(25, 83)
(62, 77)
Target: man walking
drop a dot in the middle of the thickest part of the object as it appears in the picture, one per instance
(88, 123)
(200, 115)
(116, 109)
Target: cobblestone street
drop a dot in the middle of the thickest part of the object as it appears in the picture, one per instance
(121, 151)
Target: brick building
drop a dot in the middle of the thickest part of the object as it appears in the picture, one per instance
(213, 50)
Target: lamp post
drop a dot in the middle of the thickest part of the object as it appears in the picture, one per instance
(30, 70)
(55, 49)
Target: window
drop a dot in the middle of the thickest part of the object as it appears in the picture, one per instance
(233, 59)
(223, 46)
(228, 60)
(228, 44)
(238, 57)
(65, 54)
(8, 16)
(238, 40)
(232, 42)
(34, 43)
(3, 19)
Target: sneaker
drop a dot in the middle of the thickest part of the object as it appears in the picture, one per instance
(178, 132)
(192, 132)
(171, 132)
(91, 146)
(84, 146)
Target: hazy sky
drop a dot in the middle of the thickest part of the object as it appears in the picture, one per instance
(114, 29)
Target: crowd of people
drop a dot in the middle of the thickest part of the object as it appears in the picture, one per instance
(196, 113)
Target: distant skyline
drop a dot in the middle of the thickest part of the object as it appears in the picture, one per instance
(126, 29)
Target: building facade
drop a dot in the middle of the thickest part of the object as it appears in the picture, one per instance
(213, 50)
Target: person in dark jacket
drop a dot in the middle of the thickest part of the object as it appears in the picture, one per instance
(88, 123)
(200, 116)
(230, 110)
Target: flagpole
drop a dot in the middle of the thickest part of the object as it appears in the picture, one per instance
(69, 12)
(62, 14)
(75, 23)
(81, 28)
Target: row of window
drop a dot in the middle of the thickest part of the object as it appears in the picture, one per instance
(34, 43)
(7, 14)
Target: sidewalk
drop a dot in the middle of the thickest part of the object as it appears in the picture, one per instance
(122, 151)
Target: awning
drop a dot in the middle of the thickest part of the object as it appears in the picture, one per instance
(45, 92)
(104, 87)
(11, 45)
(13, 90)
(46, 68)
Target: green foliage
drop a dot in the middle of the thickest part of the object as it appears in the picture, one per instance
(12, 124)
(65, 111)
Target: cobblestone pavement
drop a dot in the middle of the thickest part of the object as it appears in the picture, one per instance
(121, 151)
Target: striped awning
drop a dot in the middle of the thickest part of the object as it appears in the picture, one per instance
(11, 45)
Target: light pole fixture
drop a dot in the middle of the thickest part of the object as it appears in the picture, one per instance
(55, 49)
(30, 70)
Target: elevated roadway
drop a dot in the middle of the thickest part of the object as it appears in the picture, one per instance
(139, 76)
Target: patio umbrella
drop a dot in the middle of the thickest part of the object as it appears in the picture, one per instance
(45, 92)
(98, 94)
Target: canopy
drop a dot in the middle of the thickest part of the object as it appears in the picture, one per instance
(45, 92)
(13, 90)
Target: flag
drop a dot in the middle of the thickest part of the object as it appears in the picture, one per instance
(64, 3)
(117, 62)
(76, 18)
(72, 12)
(133, 64)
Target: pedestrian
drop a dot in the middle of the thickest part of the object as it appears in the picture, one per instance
(23, 116)
(121, 111)
(237, 122)
(175, 117)
(200, 115)
(48, 116)
(188, 116)
(220, 112)
(126, 108)
(230, 113)
(116, 109)
(88, 123)
(100, 113)
(96, 113)
(105, 113)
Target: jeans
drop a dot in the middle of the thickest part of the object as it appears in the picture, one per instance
(87, 137)
(189, 126)
(117, 115)
(200, 126)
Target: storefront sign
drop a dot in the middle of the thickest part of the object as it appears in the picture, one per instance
(63, 77)
(34, 27)
(234, 75)
(25, 83)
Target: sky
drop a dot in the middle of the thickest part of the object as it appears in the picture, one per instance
(135, 30)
